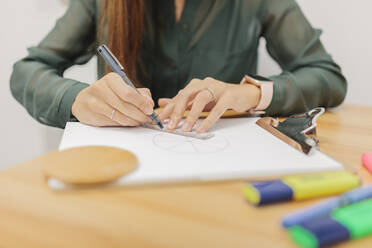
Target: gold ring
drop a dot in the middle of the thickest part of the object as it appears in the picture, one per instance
(212, 94)
(112, 114)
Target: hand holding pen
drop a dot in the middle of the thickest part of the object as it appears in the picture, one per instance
(113, 102)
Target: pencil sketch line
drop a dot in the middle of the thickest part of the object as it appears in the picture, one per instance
(173, 145)
(189, 145)
(211, 144)
(192, 144)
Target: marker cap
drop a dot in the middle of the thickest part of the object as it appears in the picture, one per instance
(319, 233)
(356, 217)
(268, 192)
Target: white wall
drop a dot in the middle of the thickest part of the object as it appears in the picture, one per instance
(347, 37)
(24, 24)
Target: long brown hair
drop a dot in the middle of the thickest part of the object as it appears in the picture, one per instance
(121, 27)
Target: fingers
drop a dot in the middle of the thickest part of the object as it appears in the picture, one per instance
(123, 107)
(164, 102)
(128, 94)
(167, 111)
(200, 102)
(124, 120)
(213, 116)
(94, 104)
(147, 93)
(102, 121)
(112, 114)
(181, 101)
(185, 99)
(179, 109)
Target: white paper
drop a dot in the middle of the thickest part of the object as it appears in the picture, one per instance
(239, 149)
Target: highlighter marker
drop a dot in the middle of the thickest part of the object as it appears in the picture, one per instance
(325, 207)
(349, 222)
(367, 161)
(300, 187)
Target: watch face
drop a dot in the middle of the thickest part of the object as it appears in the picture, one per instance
(260, 78)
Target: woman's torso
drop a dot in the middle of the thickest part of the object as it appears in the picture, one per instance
(214, 38)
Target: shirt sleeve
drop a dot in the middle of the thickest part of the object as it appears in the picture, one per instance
(310, 77)
(37, 80)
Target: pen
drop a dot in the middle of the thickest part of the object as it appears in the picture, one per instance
(324, 208)
(115, 66)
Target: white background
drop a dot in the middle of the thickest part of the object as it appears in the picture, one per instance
(347, 36)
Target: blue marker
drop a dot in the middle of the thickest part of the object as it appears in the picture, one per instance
(326, 207)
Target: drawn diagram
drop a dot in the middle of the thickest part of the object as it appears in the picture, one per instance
(188, 145)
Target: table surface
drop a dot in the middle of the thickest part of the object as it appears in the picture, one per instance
(198, 215)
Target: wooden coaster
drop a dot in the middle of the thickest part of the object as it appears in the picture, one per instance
(89, 165)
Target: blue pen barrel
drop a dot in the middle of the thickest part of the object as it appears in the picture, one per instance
(116, 67)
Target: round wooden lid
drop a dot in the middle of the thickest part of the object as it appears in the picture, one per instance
(89, 165)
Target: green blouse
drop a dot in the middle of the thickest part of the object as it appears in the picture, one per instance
(215, 38)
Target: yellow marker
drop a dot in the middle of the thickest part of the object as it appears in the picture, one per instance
(301, 187)
(320, 185)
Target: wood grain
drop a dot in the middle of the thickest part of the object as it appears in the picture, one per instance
(212, 215)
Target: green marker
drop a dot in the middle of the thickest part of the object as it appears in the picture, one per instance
(349, 222)
(357, 218)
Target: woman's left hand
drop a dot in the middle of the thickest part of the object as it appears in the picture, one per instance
(208, 94)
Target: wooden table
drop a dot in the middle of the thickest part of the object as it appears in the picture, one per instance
(213, 215)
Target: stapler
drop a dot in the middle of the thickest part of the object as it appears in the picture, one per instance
(299, 130)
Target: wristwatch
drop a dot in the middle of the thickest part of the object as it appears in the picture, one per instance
(267, 91)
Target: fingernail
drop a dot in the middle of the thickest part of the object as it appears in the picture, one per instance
(148, 110)
(200, 129)
(186, 126)
(170, 124)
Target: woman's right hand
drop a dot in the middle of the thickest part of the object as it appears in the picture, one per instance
(111, 102)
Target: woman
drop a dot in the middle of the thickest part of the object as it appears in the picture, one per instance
(184, 54)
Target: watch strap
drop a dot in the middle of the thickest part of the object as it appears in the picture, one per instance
(267, 92)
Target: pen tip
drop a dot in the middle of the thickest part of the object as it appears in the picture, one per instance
(161, 125)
